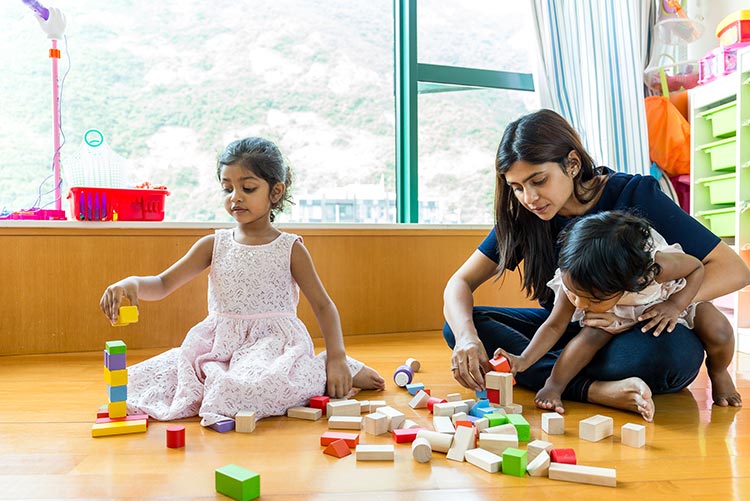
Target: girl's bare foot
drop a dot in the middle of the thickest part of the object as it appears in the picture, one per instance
(631, 394)
(368, 379)
(723, 390)
(549, 397)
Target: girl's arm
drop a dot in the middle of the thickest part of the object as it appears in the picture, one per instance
(154, 288)
(339, 381)
(469, 356)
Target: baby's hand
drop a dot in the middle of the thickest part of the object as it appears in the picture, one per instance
(662, 316)
(517, 363)
(112, 299)
(607, 321)
(339, 378)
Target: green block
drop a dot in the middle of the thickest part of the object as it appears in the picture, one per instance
(496, 419)
(115, 347)
(522, 426)
(514, 462)
(237, 482)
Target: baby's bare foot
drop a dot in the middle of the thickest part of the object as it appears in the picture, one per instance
(549, 398)
(631, 394)
(723, 390)
(368, 379)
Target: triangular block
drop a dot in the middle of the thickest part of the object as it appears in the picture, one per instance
(337, 448)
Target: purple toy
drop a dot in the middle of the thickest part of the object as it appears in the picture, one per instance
(403, 375)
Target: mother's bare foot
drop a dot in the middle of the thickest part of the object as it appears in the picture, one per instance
(631, 394)
(368, 379)
(549, 398)
(723, 390)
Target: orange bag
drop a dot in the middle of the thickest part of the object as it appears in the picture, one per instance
(668, 136)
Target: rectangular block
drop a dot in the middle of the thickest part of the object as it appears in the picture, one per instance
(376, 423)
(115, 347)
(413, 388)
(319, 402)
(351, 439)
(115, 361)
(116, 378)
(497, 443)
(539, 466)
(117, 393)
(344, 408)
(304, 413)
(405, 435)
(595, 428)
(633, 435)
(484, 459)
(244, 421)
(117, 409)
(395, 417)
(443, 424)
(553, 423)
(118, 428)
(223, 426)
(375, 452)
(583, 474)
(514, 462)
(522, 426)
(536, 447)
(463, 440)
(132, 417)
(345, 423)
(237, 482)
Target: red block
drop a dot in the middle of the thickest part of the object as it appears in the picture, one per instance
(132, 417)
(428, 391)
(500, 364)
(337, 448)
(493, 396)
(320, 403)
(175, 437)
(567, 456)
(405, 435)
(102, 413)
(351, 439)
(466, 423)
(434, 400)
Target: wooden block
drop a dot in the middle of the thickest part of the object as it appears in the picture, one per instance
(132, 417)
(514, 462)
(403, 435)
(536, 447)
(364, 406)
(337, 448)
(553, 423)
(567, 456)
(500, 364)
(117, 409)
(484, 459)
(116, 378)
(102, 412)
(595, 428)
(440, 442)
(118, 428)
(443, 424)
(453, 397)
(539, 466)
(583, 474)
(482, 424)
(421, 450)
(127, 315)
(449, 408)
(244, 421)
(376, 404)
(413, 388)
(434, 400)
(463, 440)
(633, 435)
(409, 424)
(351, 439)
(503, 429)
(496, 419)
(237, 482)
(375, 452)
(395, 417)
(403, 375)
(513, 408)
(117, 393)
(344, 408)
(304, 413)
(492, 380)
(497, 443)
(493, 395)
(459, 416)
(115, 347)
(345, 423)
(319, 402)
(522, 426)
(413, 364)
(175, 437)
(223, 426)
(376, 423)
(114, 361)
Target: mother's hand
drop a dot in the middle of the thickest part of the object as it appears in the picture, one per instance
(469, 363)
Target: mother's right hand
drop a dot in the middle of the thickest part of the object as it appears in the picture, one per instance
(112, 299)
(469, 363)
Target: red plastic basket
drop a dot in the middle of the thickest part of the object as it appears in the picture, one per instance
(116, 204)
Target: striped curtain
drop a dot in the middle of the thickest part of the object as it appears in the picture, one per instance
(592, 54)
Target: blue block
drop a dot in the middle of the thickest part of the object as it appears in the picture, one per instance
(223, 426)
(482, 395)
(117, 393)
(414, 388)
(481, 411)
(114, 361)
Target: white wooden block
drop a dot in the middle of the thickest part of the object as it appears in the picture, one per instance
(583, 474)
(469, 402)
(512, 408)
(420, 400)
(481, 424)
(463, 440)
(539, 466)
(595, 428)
(503, 429)
(536, 447)
(395, 417)
(484, 459)
(414, 364)
(453, 397)
(408, 424)
(449, 408)
(345, 423)
(377, 404)
(367, 452)
(553, 423)
(440, 442)
(633, 435)
(497, 443)
(443, 424)
(343, 408)
(308, 413)
(459, 416)
(421, 450)
(364, 406)
(492, 380)
(244, 421)
(376, 423)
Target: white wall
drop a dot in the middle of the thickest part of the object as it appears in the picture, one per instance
(713, 12)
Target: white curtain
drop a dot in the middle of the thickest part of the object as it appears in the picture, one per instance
(592, 54)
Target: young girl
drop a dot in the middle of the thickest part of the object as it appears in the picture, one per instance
(615, 262)
(251, 351)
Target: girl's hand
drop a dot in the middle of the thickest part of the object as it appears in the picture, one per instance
(517, 362)
(663, 316)
(607, 321)
(339, 378)
(112, 299)
(469, 363)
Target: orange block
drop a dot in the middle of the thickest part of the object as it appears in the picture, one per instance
(337, 448)
(351, 439)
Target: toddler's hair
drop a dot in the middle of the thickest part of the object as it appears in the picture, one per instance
(607, 253)
(264, 159)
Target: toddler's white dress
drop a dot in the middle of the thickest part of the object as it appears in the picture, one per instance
(251, 351)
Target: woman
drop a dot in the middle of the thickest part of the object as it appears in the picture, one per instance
(544, 179)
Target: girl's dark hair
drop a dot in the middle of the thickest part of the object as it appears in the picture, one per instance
(262, 158)
(607, 253)
(536, 138)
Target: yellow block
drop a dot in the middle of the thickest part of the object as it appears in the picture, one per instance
(116, 378)
(118, 409)
(118, 428)
(127, 315)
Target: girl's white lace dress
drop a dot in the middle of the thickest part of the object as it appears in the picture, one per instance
(250, 352)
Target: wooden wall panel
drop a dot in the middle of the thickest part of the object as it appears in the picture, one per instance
(382, 280)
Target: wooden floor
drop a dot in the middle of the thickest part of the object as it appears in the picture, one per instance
(693, 450)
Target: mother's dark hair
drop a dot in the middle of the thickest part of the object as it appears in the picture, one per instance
(537, 138)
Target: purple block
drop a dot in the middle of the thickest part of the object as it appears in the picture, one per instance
(223, 426)
(403, 375)
(114, 361)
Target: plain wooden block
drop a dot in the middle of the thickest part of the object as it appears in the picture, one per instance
(440, 442)
(351, 439)
(484, 459)
(395, 417)
(344, 408)
(443, 424)
(512, 408)
(408, 424)
(463, 440)
(376, 423)
(453, 397)
(536, 447)
(118, 428)
(583, 474)
(376, 404)
(459, 416)
(414, 364)
(449, 408)
(244, 421)
(595, 428)
(337, 448)
(345, 423)
(633, 435)
(553, 423)
(421, 450)
(304, 413)
(482, 424)
(503, 429)
(497, 443)
(375, 452)
(539, 466)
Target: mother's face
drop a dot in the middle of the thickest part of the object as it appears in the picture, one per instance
(543, 189)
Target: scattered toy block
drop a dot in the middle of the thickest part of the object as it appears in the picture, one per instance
(413, 364)
(443, 424)
(481, 423)
(413, 388)
(482, 395)
(409, 424)
(539, 466)
(434, 400)
(404, 435)
(583, 474)
(421, 450)
(633, 435)
(567, 456)
(337, 448)
(344, 408)
(118, 428)
(364, 406)
(307, 413)
(553, 423)
(175, 437)
(537, 447)
(223, 426)
(244, 421)
(497, 443)
(376, 423)
(345, 423)
(449, 408)
(513, 408)
(522, 426)
(463, 440)
(403, 375)
(351, 439)
(319, 402)
(453, 397)
(440, 442)
(595, 428)
(376, 404)
(484, 459)
(500, 364)
(237, 482)
(394, 416)
(496, 418)
(503, 429)
(375, 452)
(514, 462)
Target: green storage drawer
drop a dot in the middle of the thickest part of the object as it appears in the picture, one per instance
(720, 221)
(723, 119)
(722, 154)
(721, 189)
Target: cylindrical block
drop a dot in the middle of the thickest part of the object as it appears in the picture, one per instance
(403, 375)
(440, 442)
(175, 437)
(413, 363)
(434, 400)
(421, 450)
